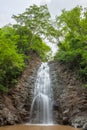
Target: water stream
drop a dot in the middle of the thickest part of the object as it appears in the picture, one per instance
(41, 108)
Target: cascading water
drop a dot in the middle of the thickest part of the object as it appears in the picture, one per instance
(41, 108)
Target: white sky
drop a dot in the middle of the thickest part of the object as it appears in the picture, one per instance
(10, 7)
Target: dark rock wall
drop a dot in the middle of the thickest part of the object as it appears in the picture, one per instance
(15, 105)
(57, 87)
(70, 97)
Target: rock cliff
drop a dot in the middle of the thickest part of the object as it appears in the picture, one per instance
(15, 105)
(70, 97)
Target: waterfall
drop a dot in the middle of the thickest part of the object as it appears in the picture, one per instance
(41, 108)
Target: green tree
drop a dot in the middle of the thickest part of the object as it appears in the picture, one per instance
(73, 46)
(35, 18)
(11, 63)
(40, 47)
(38, 20)
(19, 42)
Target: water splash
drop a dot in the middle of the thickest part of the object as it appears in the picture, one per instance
(41, 108)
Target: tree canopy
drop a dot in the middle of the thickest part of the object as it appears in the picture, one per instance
(73, 46)
(19, 40)
(69, 31)
(38, 20)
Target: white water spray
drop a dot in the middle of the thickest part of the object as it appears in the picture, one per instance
(41, 108)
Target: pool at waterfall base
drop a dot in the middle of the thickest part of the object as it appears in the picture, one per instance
(38, 127)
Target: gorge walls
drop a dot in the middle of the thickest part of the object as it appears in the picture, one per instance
(70, 97)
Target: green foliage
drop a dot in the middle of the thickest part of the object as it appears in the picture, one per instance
(36, 18)
(40, 47)
(4, 89)
(73, 48)
(23, 37)
(85, 85)
(19, 41)
(11, 63)
(69, 56)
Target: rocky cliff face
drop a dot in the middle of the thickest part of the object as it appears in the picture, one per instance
(70, 97)
(15, 105)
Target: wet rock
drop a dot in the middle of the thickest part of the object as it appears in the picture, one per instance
(84, 126)
(8, 117)
(79, 121)
(65, 120)
(55, 105)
